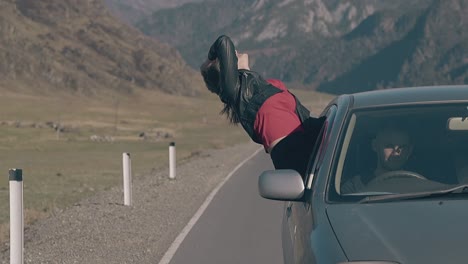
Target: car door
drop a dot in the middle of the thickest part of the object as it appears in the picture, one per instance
(300, 219)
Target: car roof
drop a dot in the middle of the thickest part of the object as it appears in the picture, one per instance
(411, 95)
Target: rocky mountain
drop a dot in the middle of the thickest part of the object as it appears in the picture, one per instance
(429, 48)
(132, 11)
(76, 45)
(337, 46)
(259, 24)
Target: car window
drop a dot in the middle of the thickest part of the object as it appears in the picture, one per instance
(320, 146)
(401, 149)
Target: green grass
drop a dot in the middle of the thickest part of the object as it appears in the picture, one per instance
(60, 169)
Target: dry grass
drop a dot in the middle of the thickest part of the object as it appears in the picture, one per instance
(61, 168)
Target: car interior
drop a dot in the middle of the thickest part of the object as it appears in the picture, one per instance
(439, 153)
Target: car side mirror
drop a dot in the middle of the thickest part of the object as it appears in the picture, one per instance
(283, 185)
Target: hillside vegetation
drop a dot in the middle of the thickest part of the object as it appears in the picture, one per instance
(76, 46)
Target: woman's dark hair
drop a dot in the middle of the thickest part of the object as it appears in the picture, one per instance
(231, 114)
(210, 71)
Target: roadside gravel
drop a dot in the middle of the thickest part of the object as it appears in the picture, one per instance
(100, 229)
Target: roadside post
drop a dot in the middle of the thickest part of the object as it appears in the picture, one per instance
(127, 178)
(16, 216)
(172, 161)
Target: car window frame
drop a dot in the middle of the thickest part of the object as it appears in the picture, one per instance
(317, 156)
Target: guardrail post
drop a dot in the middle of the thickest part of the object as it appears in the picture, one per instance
(172, 161)
(16, 216)
(127, 178)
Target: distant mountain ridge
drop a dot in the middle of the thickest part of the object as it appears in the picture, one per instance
(431, 49)
(336, 46)
(132, 11)
(77, 46)
(254, 24)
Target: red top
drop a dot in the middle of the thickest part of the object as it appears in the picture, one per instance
(277, 117)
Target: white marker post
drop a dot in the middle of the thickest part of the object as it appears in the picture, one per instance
(172, 161)
(127, 177)
(16, 216)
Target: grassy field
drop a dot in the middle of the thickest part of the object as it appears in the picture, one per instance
(59, 168)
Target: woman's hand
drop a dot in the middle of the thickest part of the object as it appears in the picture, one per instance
(242, 61)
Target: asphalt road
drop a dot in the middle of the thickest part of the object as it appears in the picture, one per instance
(238, 226)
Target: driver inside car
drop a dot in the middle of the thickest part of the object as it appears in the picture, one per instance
(393, 148)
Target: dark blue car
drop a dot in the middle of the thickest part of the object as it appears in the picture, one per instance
(387, 181)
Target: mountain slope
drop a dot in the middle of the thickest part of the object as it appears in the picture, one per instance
(432, 51)
(334, 46)
(75, 45)
(133, 10)
(254, 25)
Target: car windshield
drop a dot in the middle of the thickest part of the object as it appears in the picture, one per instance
(402, 149)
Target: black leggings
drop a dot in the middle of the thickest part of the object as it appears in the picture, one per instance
(293, 152)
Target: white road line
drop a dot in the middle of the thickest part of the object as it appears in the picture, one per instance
(180, 238)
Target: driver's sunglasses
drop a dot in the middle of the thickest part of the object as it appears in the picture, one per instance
(396, 147)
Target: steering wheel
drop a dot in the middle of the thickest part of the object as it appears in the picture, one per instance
(399, 174)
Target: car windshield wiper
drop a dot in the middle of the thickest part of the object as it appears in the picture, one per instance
(415, 195)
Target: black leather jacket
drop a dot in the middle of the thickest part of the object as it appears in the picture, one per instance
(245, 90)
